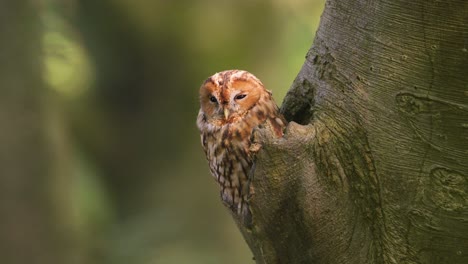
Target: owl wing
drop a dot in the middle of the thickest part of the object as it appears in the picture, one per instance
(278, 124)
(274, 117)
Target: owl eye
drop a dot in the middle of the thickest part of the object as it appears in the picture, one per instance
(213, 99)
(240, 96)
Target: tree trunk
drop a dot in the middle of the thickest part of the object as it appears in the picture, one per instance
(377, 171)
(29, 230)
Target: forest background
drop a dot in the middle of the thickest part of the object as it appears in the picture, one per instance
(100, 159)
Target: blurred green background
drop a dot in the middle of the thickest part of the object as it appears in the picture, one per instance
(116, 82)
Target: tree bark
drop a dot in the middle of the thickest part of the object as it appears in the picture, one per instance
(374, 167)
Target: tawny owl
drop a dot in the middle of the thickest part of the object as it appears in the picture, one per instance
(233, 103)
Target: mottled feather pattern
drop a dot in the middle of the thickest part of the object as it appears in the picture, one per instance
(233, 103)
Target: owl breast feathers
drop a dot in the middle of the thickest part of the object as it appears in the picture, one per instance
(232, 104)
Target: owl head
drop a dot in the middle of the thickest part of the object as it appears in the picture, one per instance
(227, 96)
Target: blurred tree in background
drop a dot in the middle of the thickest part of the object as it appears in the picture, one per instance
(100, 158)
(33, 228)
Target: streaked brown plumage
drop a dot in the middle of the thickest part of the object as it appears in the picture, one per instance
(232, 104)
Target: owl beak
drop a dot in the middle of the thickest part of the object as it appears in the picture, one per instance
(226, 113)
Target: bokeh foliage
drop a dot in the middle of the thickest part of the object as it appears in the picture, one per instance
(122, 98)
